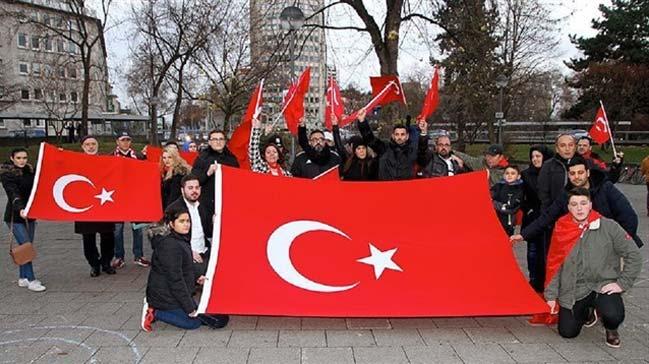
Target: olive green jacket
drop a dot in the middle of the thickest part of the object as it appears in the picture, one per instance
(597, 257)
(478, 164)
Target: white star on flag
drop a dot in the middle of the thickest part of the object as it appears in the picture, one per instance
(105, 196)
(381, 260)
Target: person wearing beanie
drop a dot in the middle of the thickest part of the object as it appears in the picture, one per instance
(359, 165)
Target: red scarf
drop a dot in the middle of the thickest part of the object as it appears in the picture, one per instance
(504, 163)
(565, 236)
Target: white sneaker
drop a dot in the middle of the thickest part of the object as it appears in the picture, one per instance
(23, 282)
(36, 286)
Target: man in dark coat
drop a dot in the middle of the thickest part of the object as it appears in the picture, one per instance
(438, 162)
(553, 176)
(397, 157)
(585, 149)
(316, 156)
(606, 199)
(204, 166)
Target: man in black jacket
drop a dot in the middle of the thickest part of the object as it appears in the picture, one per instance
(438, 162)
(606, 199)
(205, 165)
(397, 157)
(316, 156)
(201, 219)
(553, 176)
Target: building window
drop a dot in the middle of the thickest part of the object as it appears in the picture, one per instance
(72, 72)
(36, 44)
(38, 94)
(22, 40)
(36, 69)
(74, 97)
(2, 124)
(72, 48)
(40, 123)
(62, 97)
(47, 41)
(60, 47)
(23, 68)
(24, 94)
(27, 123)
(62, 72)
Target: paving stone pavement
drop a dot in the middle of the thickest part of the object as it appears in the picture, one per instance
(96, 320)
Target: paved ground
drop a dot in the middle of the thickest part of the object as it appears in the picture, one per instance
(96, 320)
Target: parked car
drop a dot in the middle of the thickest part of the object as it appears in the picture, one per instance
(27, 133)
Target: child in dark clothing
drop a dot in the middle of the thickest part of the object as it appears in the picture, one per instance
(507, 195)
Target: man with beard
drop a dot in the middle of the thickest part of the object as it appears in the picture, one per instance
(316, 156)
(201, 221)
(397, 157)
(438, 163)
(606, 199)
(205, 165)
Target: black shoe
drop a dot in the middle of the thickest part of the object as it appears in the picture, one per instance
(613, 338)
(109, 270)
(95, 272)
(592, 318)
(214, 321)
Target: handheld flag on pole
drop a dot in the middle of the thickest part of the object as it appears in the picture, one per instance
(432, 98)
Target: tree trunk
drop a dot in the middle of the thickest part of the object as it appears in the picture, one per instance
(85, 97)
(153, 132)
(179, 100)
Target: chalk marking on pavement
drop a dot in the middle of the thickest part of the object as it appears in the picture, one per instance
(134, 349)
(47, 338)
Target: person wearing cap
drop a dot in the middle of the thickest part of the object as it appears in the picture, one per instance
(493, 160)
(316, 156)
(439, 162)
(89, 230)
(585, 149)
(398, 156)
(359, 165)
(266, 159)
(124, 150)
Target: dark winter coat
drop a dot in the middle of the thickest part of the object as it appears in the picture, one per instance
(432, 164)
(171, 187)
(203, 212)
(310, 163)
(202, 164)
(396, 162)
(172, 279)
(507, 200)
(606, 199)
(552, 181)
(18, 184)
(352, 168)
(531, 205)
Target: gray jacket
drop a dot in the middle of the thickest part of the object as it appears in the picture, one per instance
(597, 256)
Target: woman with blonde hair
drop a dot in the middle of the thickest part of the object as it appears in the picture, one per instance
(172, 168)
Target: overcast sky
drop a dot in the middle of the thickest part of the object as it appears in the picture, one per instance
(350, 51)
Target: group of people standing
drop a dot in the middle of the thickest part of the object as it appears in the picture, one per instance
(576, 265)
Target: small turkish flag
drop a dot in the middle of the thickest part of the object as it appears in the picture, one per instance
(389, 84)
(294, 101)
(72, 186)
(335, 104)
(153, 154)
(297, 260)
(432, 98)
(599, 131)
(238, 144)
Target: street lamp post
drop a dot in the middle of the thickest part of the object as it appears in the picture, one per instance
(501, 83)
(291, 19)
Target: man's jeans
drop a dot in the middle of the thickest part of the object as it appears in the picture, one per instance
(20, 233)
(178, 318)
(119, 241)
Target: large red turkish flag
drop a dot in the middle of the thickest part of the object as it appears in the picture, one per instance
(153, 154)
(361, 249)
(72, 186)
(599, 131)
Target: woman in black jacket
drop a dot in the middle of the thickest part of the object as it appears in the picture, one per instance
(172, 279)
(172, 168)
(531, 206)
(18, 180)
(360, 165)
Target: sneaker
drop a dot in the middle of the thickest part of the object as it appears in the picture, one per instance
(613, 338)
(95, 272)
(148, 317)
(109, 270)
(118, 263)
(36, 286)
(142, 262)
(23, 282)
(592, 318)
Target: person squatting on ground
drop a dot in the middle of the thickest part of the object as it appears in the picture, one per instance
(89, 230)
(173, 279)
(584, 274)
(507, 196)
(124, 150)
(172, 169)
(17, 177)
(272, 158)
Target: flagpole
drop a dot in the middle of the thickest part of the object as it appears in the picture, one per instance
(608, 127)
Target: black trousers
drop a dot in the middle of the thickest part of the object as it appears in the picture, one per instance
(610, 309)
(107, 246)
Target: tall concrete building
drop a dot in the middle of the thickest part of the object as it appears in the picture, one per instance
(41, 73)
(269, 39)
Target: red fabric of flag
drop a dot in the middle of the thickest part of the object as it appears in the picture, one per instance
(294, 101)
(153, 154)
(360, 260)
(599, 131)
(335, 104)
(394, 93)
(72, 186)
(432, 98)
(238, 144)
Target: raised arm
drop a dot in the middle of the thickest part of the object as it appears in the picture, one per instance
(256, 163)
